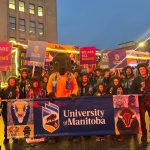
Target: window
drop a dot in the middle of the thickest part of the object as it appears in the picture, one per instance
(12, 23)
(41, 28)
(40, 11)
(21, 24)
(32, 27)
(21, 6)
(31, 9)
(12, 4)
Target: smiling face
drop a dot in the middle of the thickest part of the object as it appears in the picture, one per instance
(128, 71)
(116, 82)
(143, 71)
(12, 82)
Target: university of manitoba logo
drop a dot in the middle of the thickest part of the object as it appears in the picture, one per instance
(50, 115)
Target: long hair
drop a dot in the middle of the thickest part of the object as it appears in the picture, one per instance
(104, 88)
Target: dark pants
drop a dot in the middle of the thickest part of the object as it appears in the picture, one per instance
(144, 105)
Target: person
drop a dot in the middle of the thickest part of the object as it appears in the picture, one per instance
(98, 77)
(101, 91)
(85, 88)
(117, 89)
(35, 92)
(129, 77)
(140, 86)
(62, 82)
(44, 84)
(116, 86)
(62, 85)
(8, 93)
(91, 77)
(77, 75)
(24, 83)
(107, 79)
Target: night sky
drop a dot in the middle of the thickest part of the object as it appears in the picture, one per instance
(102, 23)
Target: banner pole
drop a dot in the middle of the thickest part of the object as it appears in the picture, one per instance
(33, 69)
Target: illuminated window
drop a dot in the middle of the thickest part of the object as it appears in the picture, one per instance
(21, 24)
(31, 9)
(21, 6)
(12, 23)
(41, 28)
(32, 27)
(12, 4)
(40, 11)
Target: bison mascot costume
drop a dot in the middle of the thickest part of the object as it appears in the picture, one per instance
(62, 83)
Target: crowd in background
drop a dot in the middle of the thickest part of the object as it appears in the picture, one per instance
(100, 82)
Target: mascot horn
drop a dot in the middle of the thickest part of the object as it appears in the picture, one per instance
(62, 82)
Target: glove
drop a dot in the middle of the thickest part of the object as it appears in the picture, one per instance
(73, 96)
(52, 96)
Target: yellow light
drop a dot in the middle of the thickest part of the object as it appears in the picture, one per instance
(68, 51)
(16, 60)
(142, 58)
(12, 41)
(141, 44)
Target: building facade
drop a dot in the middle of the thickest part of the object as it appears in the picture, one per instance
(28, 20)
(142, 46)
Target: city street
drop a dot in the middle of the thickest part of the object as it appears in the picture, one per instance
(88, 143)
(74, 75)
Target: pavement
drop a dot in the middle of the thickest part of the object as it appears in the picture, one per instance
(130, 142)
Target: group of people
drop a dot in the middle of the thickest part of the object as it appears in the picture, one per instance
(97, 83)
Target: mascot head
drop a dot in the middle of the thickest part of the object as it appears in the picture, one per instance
(62, 63)
(127, 117)
(20, 109)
